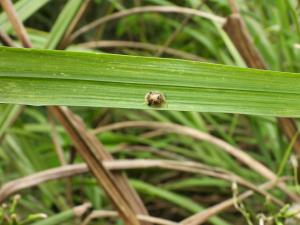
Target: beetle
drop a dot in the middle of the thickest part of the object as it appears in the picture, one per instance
(155, 98)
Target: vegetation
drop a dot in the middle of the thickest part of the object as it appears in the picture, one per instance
(189, 98)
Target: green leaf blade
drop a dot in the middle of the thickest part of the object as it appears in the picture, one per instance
(45, 77)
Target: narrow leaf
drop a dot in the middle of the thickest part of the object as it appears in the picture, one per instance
(46, 77)
(25, 9)
(63, 22)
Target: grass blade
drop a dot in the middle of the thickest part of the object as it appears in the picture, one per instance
(9, 114)
(176, 199)
(63, 22)
(25, 9)
(105, 80)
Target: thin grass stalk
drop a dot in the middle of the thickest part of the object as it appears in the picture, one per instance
(143, 9)
(72, 170)
(16, 23)
(140, 45)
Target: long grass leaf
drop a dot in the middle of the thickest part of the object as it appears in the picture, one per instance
(45, 77)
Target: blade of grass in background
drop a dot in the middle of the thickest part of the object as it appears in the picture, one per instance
(62, 23)
(25, 9)
(179, 200)
(44, 77)
(8, 116)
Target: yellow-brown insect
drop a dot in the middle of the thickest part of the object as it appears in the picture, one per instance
(154, 98)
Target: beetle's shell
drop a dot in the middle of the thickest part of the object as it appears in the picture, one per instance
(155, 98)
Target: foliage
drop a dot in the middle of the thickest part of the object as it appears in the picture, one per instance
(235, 104)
